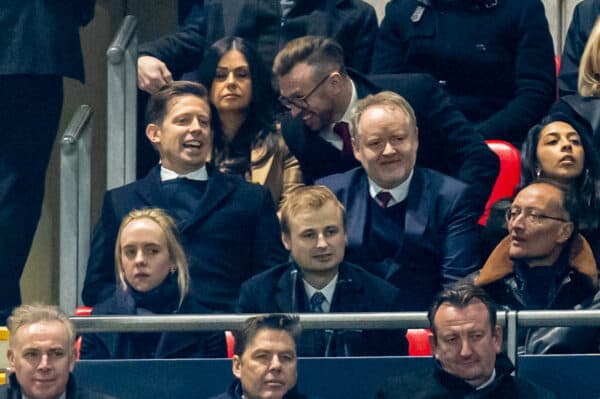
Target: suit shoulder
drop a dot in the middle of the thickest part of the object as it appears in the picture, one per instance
(266, 278)
(445, 184)
(339, 180)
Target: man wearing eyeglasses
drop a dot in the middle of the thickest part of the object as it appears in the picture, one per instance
(543, 263)
(320, 91)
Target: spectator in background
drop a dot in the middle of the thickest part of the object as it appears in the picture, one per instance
(584, 16)
(246, 141)
(411, 226)
(466, 342)
(42, 354)
(153, 278)
(543, 263)
(320, 92)
(265, 361)
(584, 106)
(39, 46)
(494, 57)
(267, 24)
(318, 280)
(229, 228)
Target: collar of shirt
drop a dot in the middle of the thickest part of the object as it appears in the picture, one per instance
(399, 193)
(198, 174)
(328, 291)
(62, 395)
(328, 134)
(488, 382)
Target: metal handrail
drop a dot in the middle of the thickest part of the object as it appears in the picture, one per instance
(122, 105)
(75, 205)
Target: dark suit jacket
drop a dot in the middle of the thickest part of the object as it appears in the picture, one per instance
(233, 235)
(446, 142)
(42, 38)
(12, 390)
(353, 23)
(440, 234)
(280, 290)
(584, 16)
(171, 344)
(497, 62)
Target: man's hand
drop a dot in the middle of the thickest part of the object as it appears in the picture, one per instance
(152, 74)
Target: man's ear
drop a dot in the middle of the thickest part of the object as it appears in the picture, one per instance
(236, 366)
(10, 355)
(285, 238)
(565, 232)
(355, 149)
(433, 345)
(153, 133)
(72, 359)
(497, 338)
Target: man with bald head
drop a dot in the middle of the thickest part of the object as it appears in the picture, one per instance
(543, 263)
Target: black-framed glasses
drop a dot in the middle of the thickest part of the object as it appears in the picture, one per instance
(300, 102)
(531, 215)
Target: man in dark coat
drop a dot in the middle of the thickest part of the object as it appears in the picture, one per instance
(466, 344)
(42, 354)
(318, 280)
(320, 93)
(265, 361)
(268, 24)
(584, 17)
(229, 227)
(39, 45)
(411, 226)
(542, 264)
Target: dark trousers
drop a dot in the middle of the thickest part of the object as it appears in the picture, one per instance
(30, 108)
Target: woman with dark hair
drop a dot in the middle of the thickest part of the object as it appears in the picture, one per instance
(152, 278)
(563, 151)
(247, 141)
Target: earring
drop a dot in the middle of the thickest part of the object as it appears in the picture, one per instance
(172, 269)
(538, 172)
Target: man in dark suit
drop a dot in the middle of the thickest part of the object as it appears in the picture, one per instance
(320, 92)
(39, 45)
(229, 227)
(408, 225)
(318, 280)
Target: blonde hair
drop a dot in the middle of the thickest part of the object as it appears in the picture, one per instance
(307, 198)
(176, 252)
(37, 313)
(588, 82)
(384, 98)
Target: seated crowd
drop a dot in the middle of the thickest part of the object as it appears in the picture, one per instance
(360, 194)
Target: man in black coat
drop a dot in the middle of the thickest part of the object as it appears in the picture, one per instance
(228, 227)
(39, 45)
(466, 343)
(42, 354)
(318, 280)
(268, 24)
(320, 93)
(265, 361)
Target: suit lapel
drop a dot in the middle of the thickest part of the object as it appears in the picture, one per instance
(286, 296)
(417, 212)
(260, 173)
(149, 189)
(346, 297)
(356, 196)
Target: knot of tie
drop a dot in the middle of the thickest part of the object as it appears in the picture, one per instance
(316, 302)
(383, 198)
(342, 130)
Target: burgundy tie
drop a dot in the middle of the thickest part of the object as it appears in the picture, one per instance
(383, 198)
(341, 129)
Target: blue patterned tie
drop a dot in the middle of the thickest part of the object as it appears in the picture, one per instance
(383, 198)
(316, 302)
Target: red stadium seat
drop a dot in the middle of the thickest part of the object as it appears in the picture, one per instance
(230, 340)
(81, 311)
(418, 341)
(557, 66)
(509, 176)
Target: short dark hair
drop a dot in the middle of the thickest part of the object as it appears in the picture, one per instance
(158, 104)
(251, 327)
(461, 295)
(318, 51)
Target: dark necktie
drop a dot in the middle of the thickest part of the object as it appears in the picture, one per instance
(383, 198)
(316, 302)
(341, 129)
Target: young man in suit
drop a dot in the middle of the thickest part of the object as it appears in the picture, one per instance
(320, 91)
(228, 227)
(409, 225)
(319, 280)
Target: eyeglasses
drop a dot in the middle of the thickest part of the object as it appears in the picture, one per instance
(532, 216)
(300, 102)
